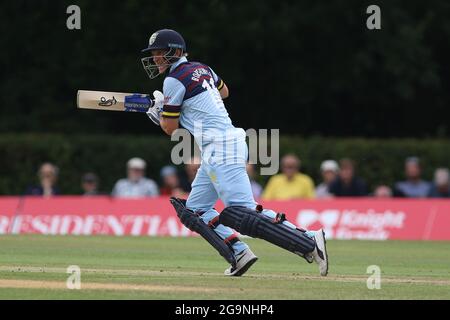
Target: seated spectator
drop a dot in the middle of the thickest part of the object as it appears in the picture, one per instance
(136, 184)
(290, 184)
(48, 176)
(170, 183)
(256, 187)
(329, 170)
(413, 186)
(190, 171)
(89, 184)
(347, 184)
(382, 192)
(441, 185)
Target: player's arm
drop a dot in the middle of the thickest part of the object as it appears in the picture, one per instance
(220, 85)
(224, 93)
(173, 99)
(169, 125)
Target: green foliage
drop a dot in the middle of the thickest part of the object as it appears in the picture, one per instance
(316, 61)
(75, 155)
(378, 161)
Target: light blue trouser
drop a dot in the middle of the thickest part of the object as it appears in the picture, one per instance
(222, 174)
(231, 184)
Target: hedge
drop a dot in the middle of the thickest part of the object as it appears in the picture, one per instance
(378, 161)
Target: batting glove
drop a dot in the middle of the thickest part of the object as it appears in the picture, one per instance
(154, 112)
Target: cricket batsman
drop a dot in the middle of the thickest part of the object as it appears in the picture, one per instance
(192, 98)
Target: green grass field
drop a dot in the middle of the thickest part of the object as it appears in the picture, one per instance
(34, 267)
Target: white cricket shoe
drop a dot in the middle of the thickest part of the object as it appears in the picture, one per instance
(320, 252)
(244, 261)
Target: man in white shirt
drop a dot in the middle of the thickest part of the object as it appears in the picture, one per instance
(136, 185)
(329, 170)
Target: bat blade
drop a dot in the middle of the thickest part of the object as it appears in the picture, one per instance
(112, 101)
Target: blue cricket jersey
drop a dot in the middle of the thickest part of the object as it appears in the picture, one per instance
(191, 92)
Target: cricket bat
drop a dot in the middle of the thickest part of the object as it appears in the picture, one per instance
(113, 101)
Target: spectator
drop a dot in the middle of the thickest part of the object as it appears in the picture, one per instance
(382, 192)
(413, 186)
(290, 184)
(89, 184)
(170, 183)
(329, 170)
(136, 184)
(190, 171)
(347, 184)
(441, 185)
(256, 187)
(48, 176)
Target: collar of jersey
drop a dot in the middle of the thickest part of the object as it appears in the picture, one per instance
(176, 64)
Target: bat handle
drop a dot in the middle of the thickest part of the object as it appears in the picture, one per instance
(138, 103)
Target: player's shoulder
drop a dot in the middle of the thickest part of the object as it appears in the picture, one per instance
(171, 81)
(187, 76)
(201, 65)
(198, 64)
(187, 68)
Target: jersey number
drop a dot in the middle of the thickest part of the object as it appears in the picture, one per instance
(215, 94)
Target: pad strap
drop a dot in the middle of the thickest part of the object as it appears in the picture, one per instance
(193, 222)
(279, 218)
(254, 224)
(214, 223)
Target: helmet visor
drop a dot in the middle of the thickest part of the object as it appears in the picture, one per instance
(152, 68)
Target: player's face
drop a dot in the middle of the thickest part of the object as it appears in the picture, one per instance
(160, 60)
